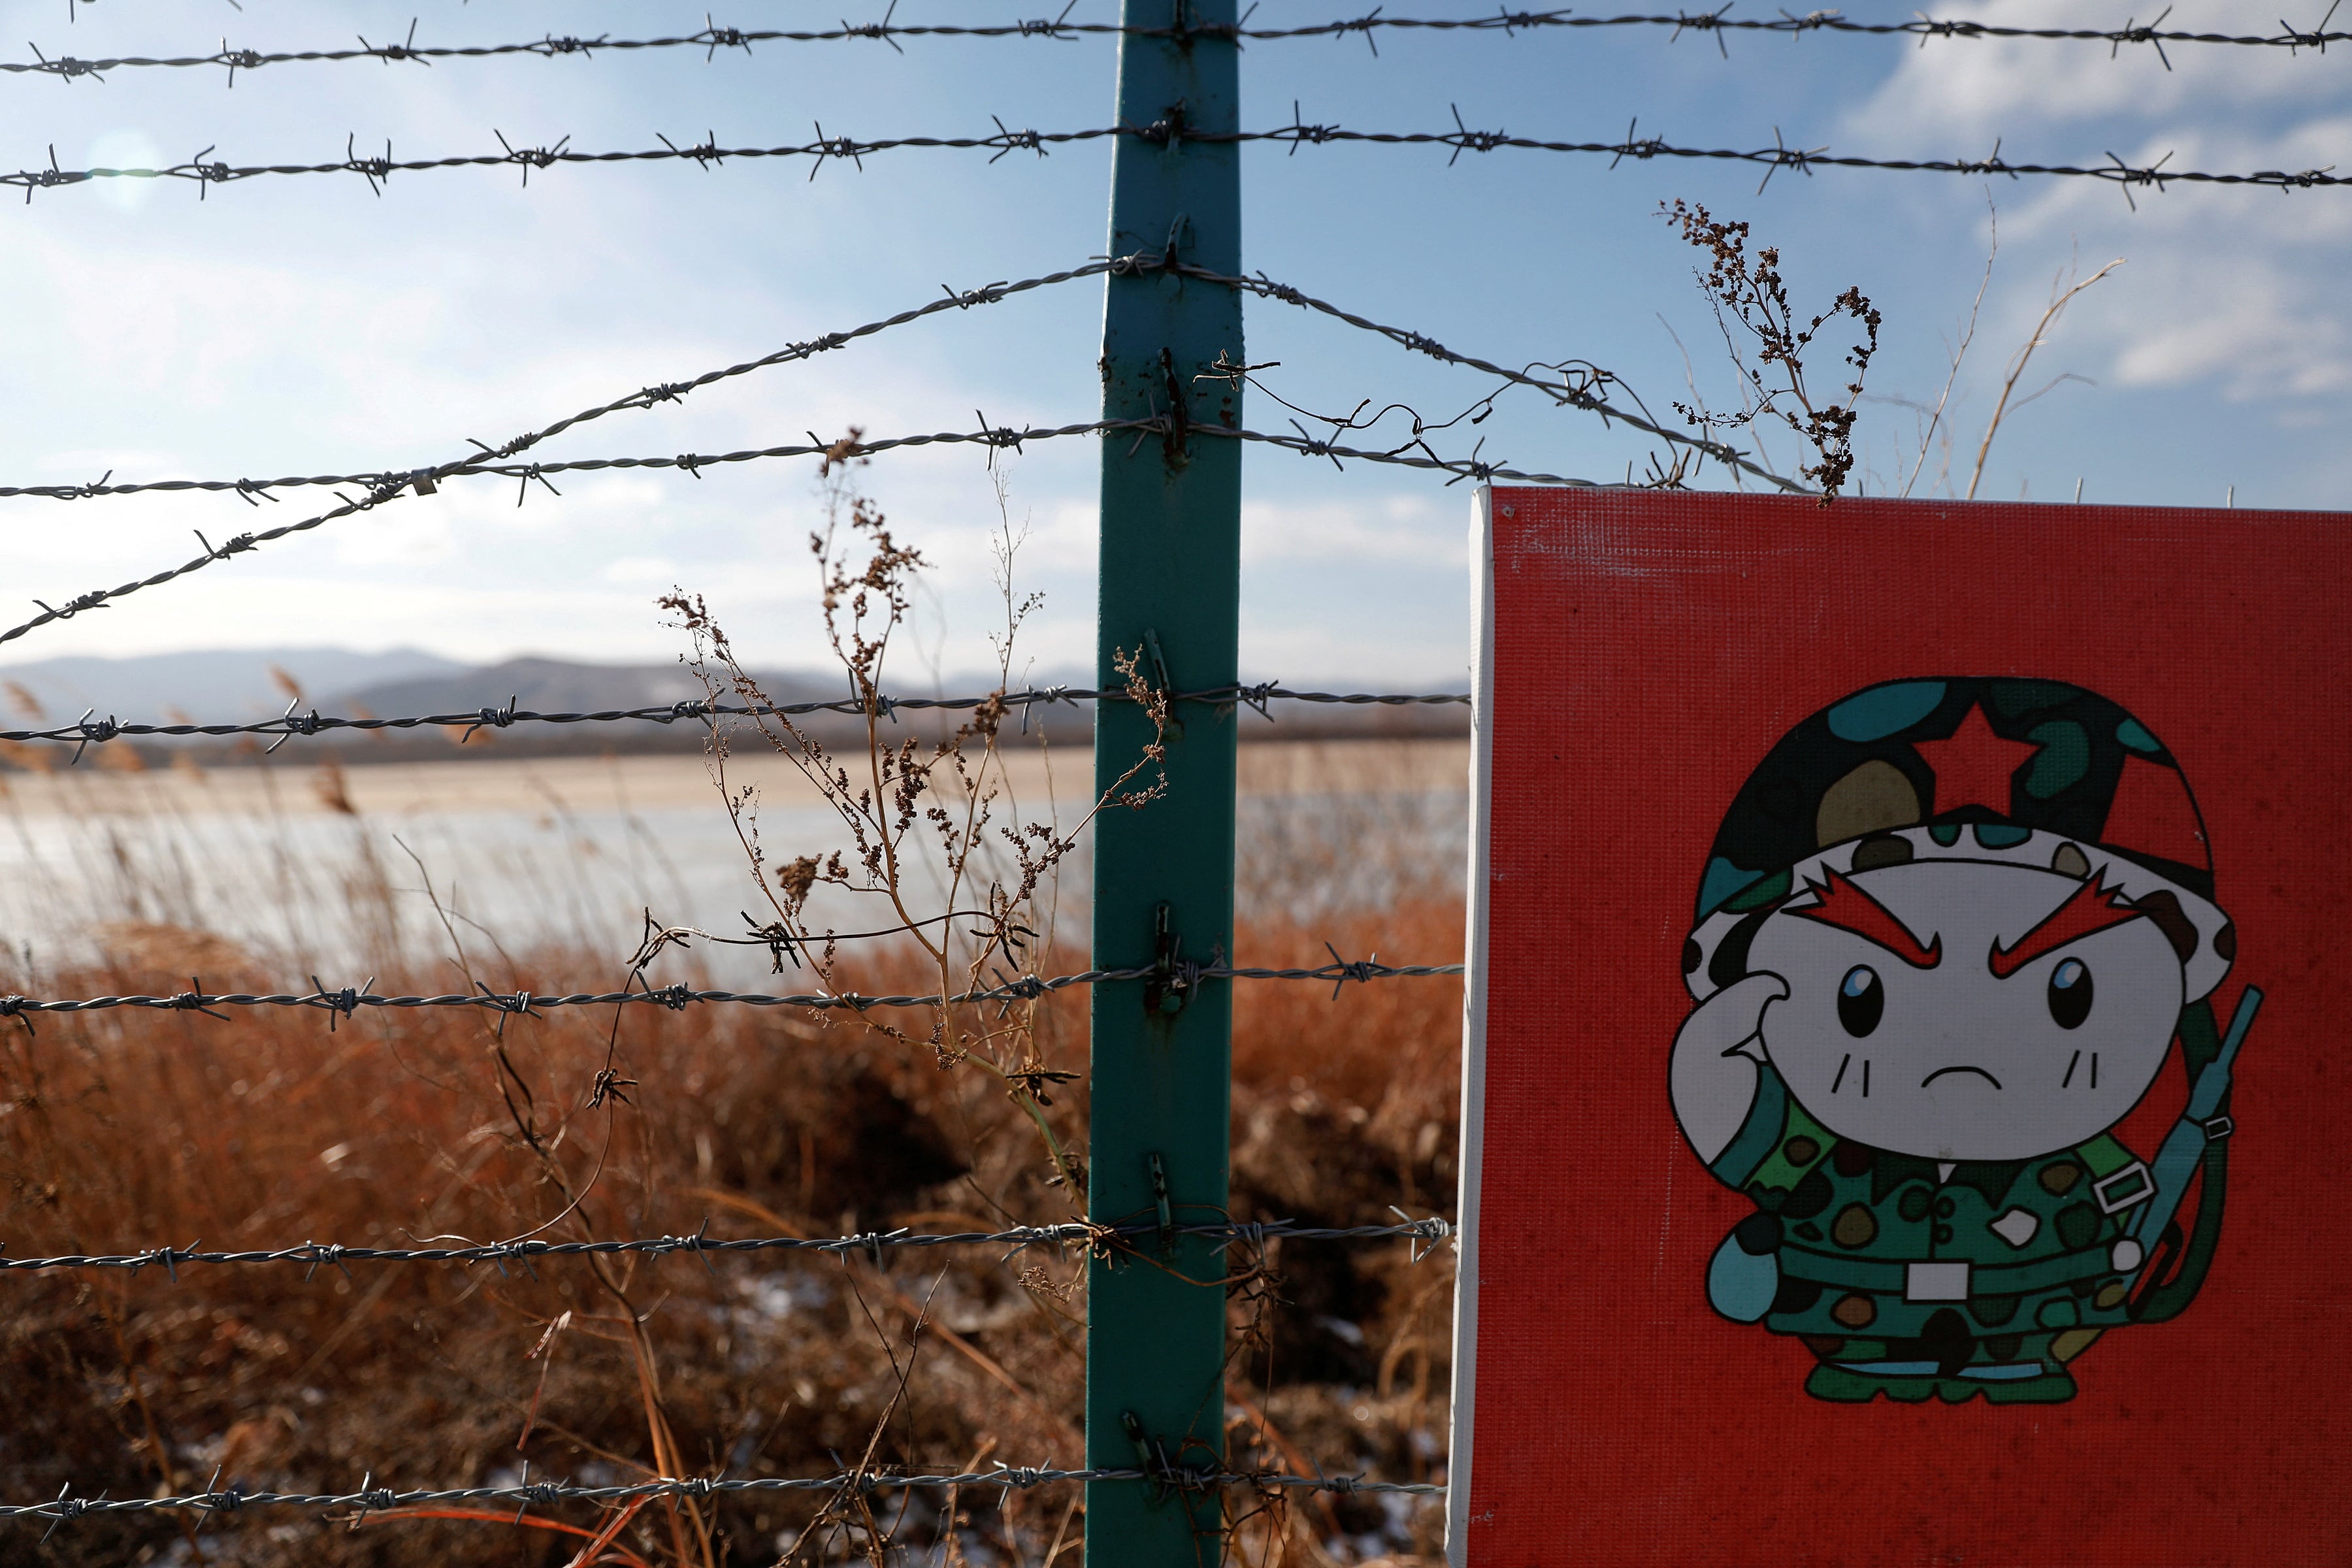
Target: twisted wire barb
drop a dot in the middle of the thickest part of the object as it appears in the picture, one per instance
(1414, 455)
(1460, 140)
(87, 730)
(680, 996)
(713, 37)
(1018, 1239)
(380, 1500)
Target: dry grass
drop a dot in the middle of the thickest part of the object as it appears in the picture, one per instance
(122, 1131)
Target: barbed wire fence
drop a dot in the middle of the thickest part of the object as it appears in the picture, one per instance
(1571, 384)
(87, 730)
(1718, 24)
(205, 171)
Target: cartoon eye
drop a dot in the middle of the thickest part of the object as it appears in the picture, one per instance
(2070, 994)
(1861, 1000)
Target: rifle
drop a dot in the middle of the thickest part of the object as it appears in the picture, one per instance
(2196, 1142)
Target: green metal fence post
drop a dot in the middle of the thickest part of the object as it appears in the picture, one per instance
(1170, 570)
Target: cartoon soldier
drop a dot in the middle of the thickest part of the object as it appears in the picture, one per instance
(1945, 940)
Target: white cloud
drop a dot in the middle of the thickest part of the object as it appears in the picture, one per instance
(2259, 333)
(2235, 287)
(1414, 527)
(1961, 93)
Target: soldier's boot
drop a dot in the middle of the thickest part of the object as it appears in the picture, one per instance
(1844, 1387)
(2051, 1388)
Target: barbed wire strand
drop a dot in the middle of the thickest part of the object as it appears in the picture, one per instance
(677, 997)
(89, 731)
(645, 397)
(425, 481)
(385, 486)
(713, 37)
(1005, 436)
(1574, 389)
(395, 480)
(380, 1500)
(1460, 140)
(1415, 455)
(1018, 1239)
(382, 488)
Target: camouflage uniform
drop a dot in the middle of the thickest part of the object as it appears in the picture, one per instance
(2025, 1261)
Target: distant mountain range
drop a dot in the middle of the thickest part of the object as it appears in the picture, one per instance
(243, 686)
(558, 686)
(228, 685)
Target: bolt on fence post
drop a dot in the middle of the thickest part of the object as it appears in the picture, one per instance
(1164, 875)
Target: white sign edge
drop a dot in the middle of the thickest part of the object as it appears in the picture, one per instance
(1462, 1424)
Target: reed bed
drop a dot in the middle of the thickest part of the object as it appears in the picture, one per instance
(125, 1131)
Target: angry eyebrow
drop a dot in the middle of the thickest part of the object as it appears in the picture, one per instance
(2090, 907)
(1848, 908)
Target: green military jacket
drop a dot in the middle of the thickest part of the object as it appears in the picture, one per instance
(1872, 1245)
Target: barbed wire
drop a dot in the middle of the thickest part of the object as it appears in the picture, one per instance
(1460, 140)
(1580, 386)
(394, 481)
(381, 1499)
(1415, 454)
(1580, 383)
(1418, 455)
(1002, 437)
(384, 487)
(425, 481)
(391, 487)
(1720, 21)
(346, 1001)
(706, 154)
(1017, 1238)
(89, 731)
(712, 38)
(1779, 155)
(646, 397)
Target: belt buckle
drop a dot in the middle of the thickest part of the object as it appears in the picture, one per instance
(1939, 1281)
(2113, 1203)
(2217, 1128)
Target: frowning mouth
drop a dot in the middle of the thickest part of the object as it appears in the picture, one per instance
(1941, 1071)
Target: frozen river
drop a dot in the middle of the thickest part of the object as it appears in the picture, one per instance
(338, 872)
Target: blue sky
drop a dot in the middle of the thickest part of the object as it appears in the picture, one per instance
(308, 325)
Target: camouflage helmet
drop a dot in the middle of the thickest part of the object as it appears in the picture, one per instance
(1983, 768)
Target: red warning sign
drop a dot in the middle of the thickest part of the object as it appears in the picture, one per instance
(1906, 1074)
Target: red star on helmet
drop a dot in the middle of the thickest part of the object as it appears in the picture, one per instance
(1974, 766)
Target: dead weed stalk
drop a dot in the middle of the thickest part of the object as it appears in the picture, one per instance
(911, 807)
(1753, 293)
